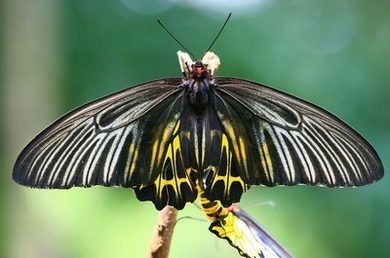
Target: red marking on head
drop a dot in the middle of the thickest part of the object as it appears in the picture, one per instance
(199, 70)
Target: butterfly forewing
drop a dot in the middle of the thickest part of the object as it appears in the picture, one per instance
(294, 142)
(116, 140)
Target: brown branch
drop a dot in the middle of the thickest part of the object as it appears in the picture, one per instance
(162, 235)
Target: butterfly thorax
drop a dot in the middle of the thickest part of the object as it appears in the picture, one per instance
(198, 92)
(198, 79)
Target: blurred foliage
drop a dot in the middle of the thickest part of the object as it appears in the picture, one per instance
(334, 53)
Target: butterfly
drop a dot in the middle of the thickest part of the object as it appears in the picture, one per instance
(241, 231)
(166, 138)
(246, 235)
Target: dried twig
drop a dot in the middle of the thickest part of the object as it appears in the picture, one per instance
(162, 235)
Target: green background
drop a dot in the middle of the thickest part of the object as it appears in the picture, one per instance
(57, 54)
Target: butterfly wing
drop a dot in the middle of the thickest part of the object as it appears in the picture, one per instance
(246, 235)
(118, 140)
(223, 180)
(282, 140)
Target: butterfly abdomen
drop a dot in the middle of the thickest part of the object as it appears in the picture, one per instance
(235, 226)
(212, 209)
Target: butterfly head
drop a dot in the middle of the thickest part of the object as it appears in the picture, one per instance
(200, 69)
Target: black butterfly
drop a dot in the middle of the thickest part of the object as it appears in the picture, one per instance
(167, 137)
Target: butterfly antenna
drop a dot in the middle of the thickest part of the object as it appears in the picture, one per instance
(165, 28)
(219, 33)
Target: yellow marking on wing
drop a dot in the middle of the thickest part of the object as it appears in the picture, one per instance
(238, 146)
(175, 183)
(154, 152)
(176, 128)
(232, 135)
(242, 147)
(176, 145)
(227, 179)
(225, 142)
(239, 235)
(189, 171)
(268, 160)
(134, 152)
(171, 156)
(263, 162)
(167, 133)
(158, 144)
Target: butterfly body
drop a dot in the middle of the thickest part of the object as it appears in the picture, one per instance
(166, 138)
(197, 91)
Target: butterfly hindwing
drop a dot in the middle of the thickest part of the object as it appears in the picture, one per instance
(229, 159)
(176, 181)
(246, 235)
(295, 142)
